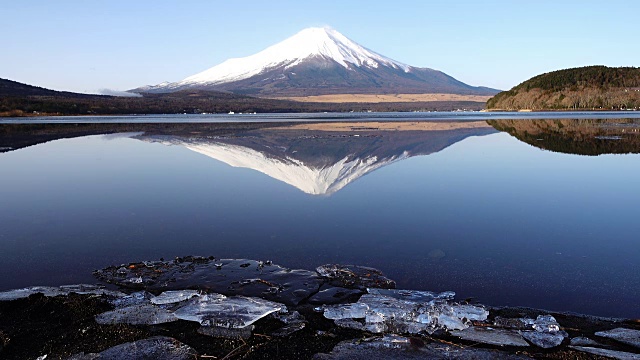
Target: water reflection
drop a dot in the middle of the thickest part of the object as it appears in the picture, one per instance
(581, 137)
(321, 159)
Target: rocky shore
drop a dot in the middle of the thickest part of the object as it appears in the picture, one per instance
(208, 308)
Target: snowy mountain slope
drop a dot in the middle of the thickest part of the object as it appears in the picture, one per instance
(318, 61)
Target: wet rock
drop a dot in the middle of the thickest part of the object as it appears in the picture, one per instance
(227, 333)
(355, 277)
(513, 323)
(158, 347)
(56, 291)
(583, 341)
(499, 337)
(625, 336)
(224, 276)
(395, 347)
(145, 314)
(613, 354)
(334, 295)
(294, 322)
(231, 312)
(543, 339)
(175, 296)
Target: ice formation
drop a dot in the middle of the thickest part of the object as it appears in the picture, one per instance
(405, 311)
(230, 312)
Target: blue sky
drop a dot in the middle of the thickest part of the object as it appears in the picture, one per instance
(90, 45)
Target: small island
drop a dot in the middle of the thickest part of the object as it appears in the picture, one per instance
(584, 88)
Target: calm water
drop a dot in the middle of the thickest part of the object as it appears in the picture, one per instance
(437, 206)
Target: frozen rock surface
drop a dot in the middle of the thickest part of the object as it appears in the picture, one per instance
(145, 314)
(225, 276)
(158, 347)
(56, 291)
(229, 312)
(613, 354)
(499, 337)
(355, 277)
(390, 311)
(413, 295)
(544, 340)
(174, 296)
(625, 336)
(403, 348)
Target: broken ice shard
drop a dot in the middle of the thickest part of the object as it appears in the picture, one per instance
(230, 312)
(56, 291)
(174, 296)
(546, 324)
(351, 311)
(145, 314)
(391, 311)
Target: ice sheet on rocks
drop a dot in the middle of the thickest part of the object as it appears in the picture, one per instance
(355, 277)
(157, 347)
(389, 314)
(231, 312)
(225, 276)
(144, 314)
(56, 291)
(626, 336)
(174, 296)
(334, 295)
(499, 337)
(136, 298)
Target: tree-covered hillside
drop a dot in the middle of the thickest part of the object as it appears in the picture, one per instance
(591, 87)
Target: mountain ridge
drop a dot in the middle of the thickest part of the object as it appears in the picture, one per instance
(318, 61)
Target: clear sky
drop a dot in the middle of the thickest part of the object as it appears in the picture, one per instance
(86, 46)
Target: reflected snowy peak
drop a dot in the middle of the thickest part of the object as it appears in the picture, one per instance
(322, 159)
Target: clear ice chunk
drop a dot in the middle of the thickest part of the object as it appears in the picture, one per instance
(222, 311)
(136, 298)
(470, 312)
(174, 296)
(405, 311)
(349, 311)
(145, 314)
(57, 291)
(546, 324)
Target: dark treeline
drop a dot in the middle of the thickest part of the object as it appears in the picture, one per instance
(591, 87)
(24, 100)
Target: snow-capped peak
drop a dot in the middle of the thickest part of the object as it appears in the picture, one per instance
(312, 42)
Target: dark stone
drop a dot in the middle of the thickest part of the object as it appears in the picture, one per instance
(355, 277)
(335, 295)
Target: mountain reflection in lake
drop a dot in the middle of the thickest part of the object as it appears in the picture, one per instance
(444, 205)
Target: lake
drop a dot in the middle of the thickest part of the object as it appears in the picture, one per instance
(508, 209)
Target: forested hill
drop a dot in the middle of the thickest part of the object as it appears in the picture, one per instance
(591, 87)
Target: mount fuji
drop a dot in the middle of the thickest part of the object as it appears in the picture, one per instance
(318, 61)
